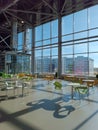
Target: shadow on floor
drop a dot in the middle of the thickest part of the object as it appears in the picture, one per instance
(4, 116)
(59, 111)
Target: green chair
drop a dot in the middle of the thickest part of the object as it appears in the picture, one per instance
(82, 90)
(58, 85)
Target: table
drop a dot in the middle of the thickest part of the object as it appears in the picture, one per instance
(49, 78)
(89, 82)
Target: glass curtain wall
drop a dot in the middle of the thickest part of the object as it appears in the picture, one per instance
(24, 51)
(46, 47)
(80, 42)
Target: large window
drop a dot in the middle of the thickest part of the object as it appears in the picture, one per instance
(23, 63)
(46, 50)
(80, 42)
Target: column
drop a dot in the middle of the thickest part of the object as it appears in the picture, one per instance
(59, 47)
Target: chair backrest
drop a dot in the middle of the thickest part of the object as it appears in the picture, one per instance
(82, 90)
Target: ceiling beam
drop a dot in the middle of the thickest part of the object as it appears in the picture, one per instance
(53, 9)
(6, 18)
(12, 3)
(19, 18)
(4, 28)
(65, 2)
(3, 40)
(30, 12)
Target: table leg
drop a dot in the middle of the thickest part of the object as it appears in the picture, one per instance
(72, 92)
(22, 89)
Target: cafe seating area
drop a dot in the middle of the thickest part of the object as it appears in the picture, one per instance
(58, 102)
(12, 86)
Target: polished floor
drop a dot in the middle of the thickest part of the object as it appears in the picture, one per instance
(45, 108)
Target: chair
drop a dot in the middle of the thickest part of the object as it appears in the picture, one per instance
(58, 88)
(58, 85)
(18, 86)
(10, 86)
(82, 90)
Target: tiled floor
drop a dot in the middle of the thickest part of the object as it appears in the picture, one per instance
(45, 108)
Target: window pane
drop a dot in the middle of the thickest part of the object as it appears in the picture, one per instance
(46, 64)
(93, 32)
(54, 51)
(54, 40)
(81, 64)
(80, 35)
(46, 52)
(80, 20)
(93, 63)
(93, 46)
(67, 38)
(38, 33)
(93, 16)
(46, 42)
(46, 30)
(80, 48)
(38, 44)
(54, 64)
(67, 49)
(38, 61)
(38, 53)
(20, 41)
(67, 24)
(38, 65)
(67, 64)
(54, 28)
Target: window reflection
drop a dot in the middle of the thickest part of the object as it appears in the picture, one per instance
(81, 64)
(67, 64)
(93, 66)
